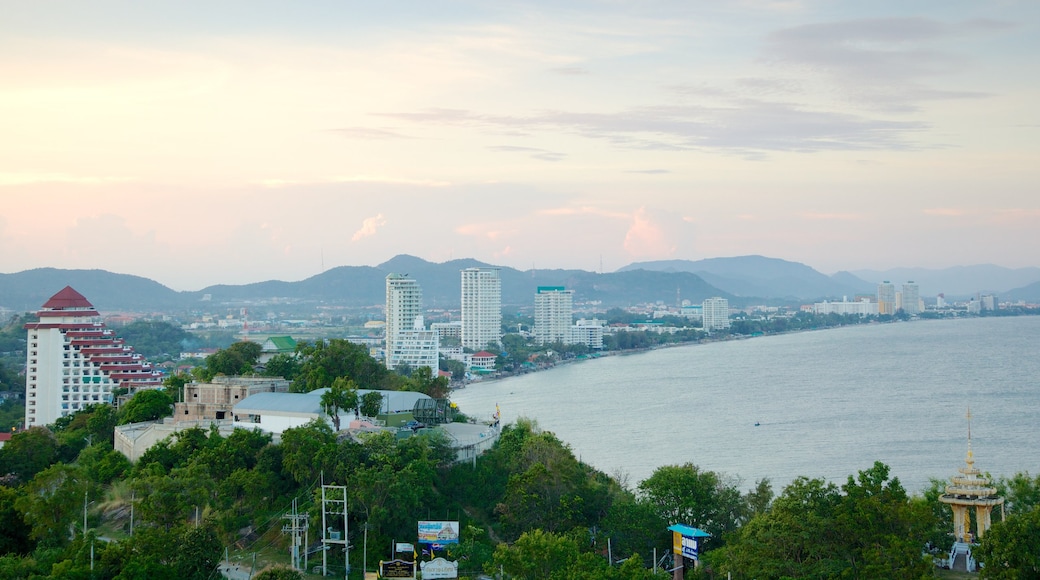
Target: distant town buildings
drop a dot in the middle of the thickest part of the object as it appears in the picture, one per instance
(715, 314)
(861, 307)
(553, 314)
(481, 307)
(73, 360)
(886, 298)
(912, 298)
(408, 343)
(588, 332)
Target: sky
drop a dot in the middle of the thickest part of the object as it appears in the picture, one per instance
(200, 143)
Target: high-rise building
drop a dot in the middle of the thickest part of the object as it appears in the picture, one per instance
(415, 348)
(553, 314)
(403, 308)
(715, 314)
(73, 360)
(911, 298)
(886, 298)
(481, 307)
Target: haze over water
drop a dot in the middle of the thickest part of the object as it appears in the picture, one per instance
(828, 403)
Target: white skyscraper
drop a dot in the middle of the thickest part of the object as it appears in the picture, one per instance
(886, 298)
(911, 298)
(73, 360)
(553, 314)
(716, 314)
(481, 307)
(403, 307)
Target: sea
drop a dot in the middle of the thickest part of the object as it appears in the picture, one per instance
(820, 404)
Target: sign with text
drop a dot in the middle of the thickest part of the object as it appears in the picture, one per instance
(397, 569)
(438, 532)
(685, 546)
(439, 568)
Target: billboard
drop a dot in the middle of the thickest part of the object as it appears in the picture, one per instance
(438, 532)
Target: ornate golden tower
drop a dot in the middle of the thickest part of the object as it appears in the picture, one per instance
(968, 490)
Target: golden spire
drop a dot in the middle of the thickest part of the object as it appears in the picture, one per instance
(971, 457)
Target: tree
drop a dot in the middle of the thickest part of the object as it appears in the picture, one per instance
(326, 361)
(15, 536)
(423, 381)
(28, 453)
(535, 555)
(279, 573)
(1010, 550)
(286, 366)
(237, 359)
(146, 405)
(371, 404)
(341, 396)
(52, 502)
(683, 494)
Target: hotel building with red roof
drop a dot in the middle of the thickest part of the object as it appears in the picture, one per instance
(73, 360)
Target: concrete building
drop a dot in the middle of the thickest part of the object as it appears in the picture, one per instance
(481, 307)
(588, 332)
(912, 298)
(861, 307)
(415, 348)
(988, 302)
(276, 345)
(215, 400)
(73, 360)
(715, 314)
(886, 298)
(553, 314)
(403, 307)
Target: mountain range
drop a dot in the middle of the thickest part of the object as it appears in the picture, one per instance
(744, 280)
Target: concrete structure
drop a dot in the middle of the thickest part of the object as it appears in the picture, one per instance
(588, 332)
(715, 314)
(553, 314)
(862, 307)
(886, 298)
(481, 307)
(133, 439)
(415, 348)
(214, 401)
(73, 360)
(403, 308)
(276, 412)
(482, 361)
(988, 302)
(969, 490)
(911, 298)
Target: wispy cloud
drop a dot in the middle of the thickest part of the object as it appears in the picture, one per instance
(369, 133)
(534, 152)
(369, 227)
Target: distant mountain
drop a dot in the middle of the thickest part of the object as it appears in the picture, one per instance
(958, 281)
(1030, 293)
(27, 291)
(762, 277)
(350, 286)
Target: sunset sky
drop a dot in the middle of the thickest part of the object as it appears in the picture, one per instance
(199, 143)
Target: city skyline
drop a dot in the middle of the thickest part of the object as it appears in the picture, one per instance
(247, 142)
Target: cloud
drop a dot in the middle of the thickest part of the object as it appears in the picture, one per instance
(743, 127)
(655, 234)
(882, 62)
(945, 212)
(824, 216)
(369, 227)
(649, 171)
(8, 179)
(569, 70)
(536, 153)
(369, 133)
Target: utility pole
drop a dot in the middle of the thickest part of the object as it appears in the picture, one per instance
(297, 523)
(84, 513)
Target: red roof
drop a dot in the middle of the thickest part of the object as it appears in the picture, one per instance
(5, 436)
(484, 354)
(67, 298)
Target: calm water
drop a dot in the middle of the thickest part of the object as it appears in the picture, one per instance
(828, 403)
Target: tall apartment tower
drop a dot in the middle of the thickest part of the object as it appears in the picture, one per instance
(716, 314)
(481, 307)
(886, 298)
(403, 307)
(911, 298)
(553, 314)
(73, 360)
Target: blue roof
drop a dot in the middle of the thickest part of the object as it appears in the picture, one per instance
(689, 532)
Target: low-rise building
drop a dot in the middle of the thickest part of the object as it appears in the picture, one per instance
(215, 400)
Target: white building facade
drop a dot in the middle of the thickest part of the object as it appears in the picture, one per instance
(588, 332)
(403, 312)
(715, 314)
(861, 307)
(553, 314)
(911, 298)
(481, 307)
(73, 360)
(886, 298)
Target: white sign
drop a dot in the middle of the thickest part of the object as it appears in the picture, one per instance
(439, 568)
